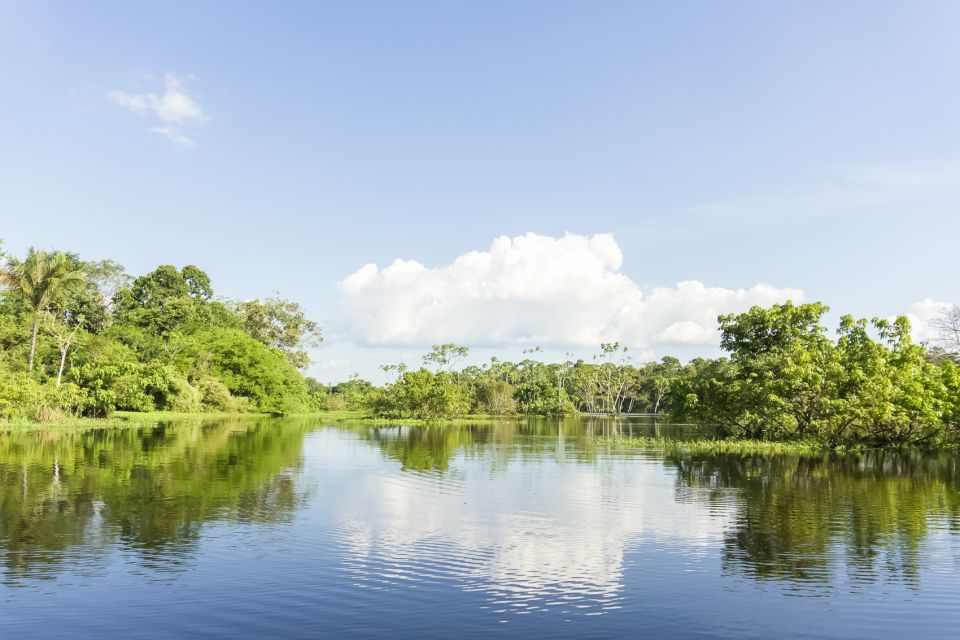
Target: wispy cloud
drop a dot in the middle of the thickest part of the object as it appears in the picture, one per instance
(916, 176)
(176, 110)
(851, 191)
(173, 135)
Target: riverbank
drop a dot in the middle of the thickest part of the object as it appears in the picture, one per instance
(687, 445)
(120, 419)
(474, 418)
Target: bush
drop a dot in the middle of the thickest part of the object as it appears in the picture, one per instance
(215, 396)
(25, 398)
(250, 369)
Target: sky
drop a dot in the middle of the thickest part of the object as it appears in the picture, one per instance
(503, 174)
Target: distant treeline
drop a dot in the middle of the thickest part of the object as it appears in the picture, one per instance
(783, 379)
(84, 339)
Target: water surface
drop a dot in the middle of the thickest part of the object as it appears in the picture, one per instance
(295, 528)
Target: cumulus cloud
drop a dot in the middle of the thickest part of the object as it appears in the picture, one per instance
(535, 289)
(174, 108)
(522, 538)
(923, 316)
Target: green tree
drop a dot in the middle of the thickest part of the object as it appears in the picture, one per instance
(782, 358)
(248, 368)
(165, 300)
(64, 330)
(283, 325)
(40, 278)
(445, 356)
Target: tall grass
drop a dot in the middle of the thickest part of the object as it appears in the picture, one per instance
(714, 446)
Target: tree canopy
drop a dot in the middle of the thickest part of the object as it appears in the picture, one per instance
(84, 338)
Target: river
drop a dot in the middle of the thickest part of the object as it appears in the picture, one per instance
(301, 527)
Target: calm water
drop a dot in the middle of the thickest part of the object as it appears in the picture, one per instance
(298, 529)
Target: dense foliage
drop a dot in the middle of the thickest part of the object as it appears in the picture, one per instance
(784, 378)
(83, 338)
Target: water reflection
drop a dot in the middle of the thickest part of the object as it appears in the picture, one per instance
(805, 520)
(534, 524)
(566, 513)
(498, 442)
(148, 490)
(495, 521)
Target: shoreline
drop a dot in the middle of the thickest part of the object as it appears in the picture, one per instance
(694, 446)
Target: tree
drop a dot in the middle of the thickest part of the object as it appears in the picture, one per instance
(781, 357)
(948, 326)
(93, 300)
(656, 380)
(41, 277)
(888, 393)
(535, 388)
(64, 330)
(496, 397)
(612, 376)
(444, 356)
(561, 371)
(283, 325)
(248, 368)
(165, 300)
(584, 381)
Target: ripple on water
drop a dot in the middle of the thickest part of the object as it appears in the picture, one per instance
(274, 530)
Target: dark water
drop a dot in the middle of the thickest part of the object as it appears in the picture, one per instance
(296, 529)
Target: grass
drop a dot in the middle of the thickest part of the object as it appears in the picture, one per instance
(119, 419)
(126, 419)
(176, 415)
(735, 446)
(68, 424)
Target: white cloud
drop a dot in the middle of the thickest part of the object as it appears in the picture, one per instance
(532, 538)
(175, 108)
(922, 317)
(332, 365)
(535, 289)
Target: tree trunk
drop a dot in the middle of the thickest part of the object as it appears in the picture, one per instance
(63, 361)
(33, 340)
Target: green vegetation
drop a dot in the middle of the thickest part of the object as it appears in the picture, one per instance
(737, 446)
(783, 380)
(436, 391)
(84, 339)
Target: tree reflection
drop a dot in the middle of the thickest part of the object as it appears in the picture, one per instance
(815, 521)
(152, 489)
(805, 519)
(433, 448)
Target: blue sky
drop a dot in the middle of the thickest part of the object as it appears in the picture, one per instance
(812, 146)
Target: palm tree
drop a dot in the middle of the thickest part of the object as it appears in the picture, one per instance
(41, 277)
